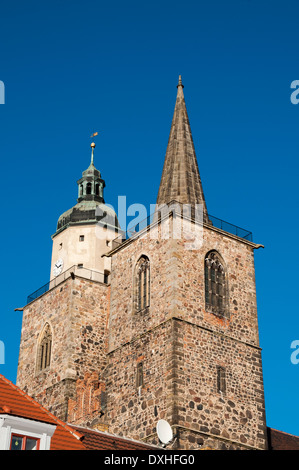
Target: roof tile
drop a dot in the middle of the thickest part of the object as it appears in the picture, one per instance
(15, 402)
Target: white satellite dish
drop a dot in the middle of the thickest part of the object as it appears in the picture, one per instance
(164, 431)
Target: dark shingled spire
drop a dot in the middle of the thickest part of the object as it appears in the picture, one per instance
(180, 178)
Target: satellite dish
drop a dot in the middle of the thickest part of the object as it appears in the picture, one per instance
(164, 431)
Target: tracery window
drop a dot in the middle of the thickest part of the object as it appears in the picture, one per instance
(142, 283)
(44, 349)
(215, 284)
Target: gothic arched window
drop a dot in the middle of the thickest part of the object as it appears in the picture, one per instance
(215, 284)
(44, 348)
(142, 284)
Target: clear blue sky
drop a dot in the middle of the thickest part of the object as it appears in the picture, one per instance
(74, 67)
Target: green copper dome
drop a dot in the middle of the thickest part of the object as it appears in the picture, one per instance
(89, 212)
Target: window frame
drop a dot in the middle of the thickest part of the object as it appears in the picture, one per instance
(32, 429)
(24, 440)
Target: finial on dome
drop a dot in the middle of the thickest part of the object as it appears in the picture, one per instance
(92, 150)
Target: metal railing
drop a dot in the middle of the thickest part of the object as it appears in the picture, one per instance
(74, 270)
(230, 228)
(210, 220)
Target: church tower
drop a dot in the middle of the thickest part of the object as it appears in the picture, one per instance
(84, 232)
(63, 340)
(162, 325)
(183, 341)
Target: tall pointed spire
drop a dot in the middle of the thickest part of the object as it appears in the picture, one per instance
(180, 177)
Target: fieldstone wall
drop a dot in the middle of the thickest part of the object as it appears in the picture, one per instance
(133, 411)
(77, 311)
(196, 343)
(235, 415)
(99, 340)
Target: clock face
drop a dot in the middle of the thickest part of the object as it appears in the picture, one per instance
(58, 266)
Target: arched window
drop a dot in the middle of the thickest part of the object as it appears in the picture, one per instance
(44, 349)
(142, 283)
(215, 284)
(88, 188)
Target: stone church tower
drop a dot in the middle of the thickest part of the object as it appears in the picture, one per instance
(157, 326)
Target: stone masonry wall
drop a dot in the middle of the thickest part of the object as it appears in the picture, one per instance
(124, 324)
(242, 321)
(133, 411)
(199, 342)
(77, 312)
(235, 416)
(99, 340)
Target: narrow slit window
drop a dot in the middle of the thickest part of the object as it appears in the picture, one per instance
(139, 374)
(221, 380)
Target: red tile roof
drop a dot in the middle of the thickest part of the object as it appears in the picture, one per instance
(98, 440)
(15, 402)
(279, 440)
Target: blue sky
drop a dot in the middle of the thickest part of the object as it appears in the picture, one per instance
(75, 67)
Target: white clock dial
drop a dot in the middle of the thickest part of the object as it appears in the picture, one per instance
(58, 266)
